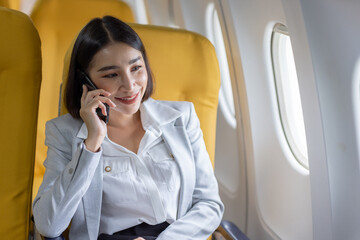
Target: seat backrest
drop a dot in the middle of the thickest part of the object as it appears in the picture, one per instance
(58, 22)
(185, 68)
(13, 4)
(20, 80)
(4, 3)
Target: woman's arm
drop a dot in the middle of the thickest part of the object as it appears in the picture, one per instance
(66, 180)
(207, 209)
(67, 177)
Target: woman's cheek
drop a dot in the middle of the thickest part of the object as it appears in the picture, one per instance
(143, 75)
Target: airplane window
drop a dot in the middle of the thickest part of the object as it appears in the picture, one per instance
(226, 99)
(288, 93)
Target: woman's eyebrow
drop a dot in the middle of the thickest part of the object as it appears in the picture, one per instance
(134, 60)
(116, 67)
(107, 68)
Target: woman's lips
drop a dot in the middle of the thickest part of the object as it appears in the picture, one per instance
(128, 99)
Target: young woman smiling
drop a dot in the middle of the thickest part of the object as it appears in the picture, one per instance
(146, 173)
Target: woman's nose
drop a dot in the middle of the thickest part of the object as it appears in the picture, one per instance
(128, 83)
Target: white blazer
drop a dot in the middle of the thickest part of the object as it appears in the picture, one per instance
(71, 190)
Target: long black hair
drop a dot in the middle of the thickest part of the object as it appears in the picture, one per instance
(97, 34)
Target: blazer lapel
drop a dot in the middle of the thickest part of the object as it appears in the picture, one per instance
(176, 140)
(175, 137)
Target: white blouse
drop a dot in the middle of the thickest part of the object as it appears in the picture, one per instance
(142, 187)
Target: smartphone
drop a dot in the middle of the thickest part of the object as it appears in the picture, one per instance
(91, 86)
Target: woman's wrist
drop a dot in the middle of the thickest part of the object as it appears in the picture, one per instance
(91, 145)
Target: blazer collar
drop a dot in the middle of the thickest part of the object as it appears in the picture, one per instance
(83, 132)
(154, 114)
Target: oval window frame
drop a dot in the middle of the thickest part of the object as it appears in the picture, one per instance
(294, 142)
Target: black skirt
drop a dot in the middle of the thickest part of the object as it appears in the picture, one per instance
(144, 230)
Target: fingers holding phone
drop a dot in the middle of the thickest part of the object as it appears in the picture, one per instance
(93, 102)
(85, 79)
(98, 99)
(98, 95)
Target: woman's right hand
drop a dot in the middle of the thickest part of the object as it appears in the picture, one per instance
(90, 100)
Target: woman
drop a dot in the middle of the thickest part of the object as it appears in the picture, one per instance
(143, 175)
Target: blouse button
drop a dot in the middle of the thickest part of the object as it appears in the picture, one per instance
(107, 168)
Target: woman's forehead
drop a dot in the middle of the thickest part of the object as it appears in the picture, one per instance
(116, 53)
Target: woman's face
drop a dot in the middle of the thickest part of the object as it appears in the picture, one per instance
(120, 70)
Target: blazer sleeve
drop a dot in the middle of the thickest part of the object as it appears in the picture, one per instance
(66, 180)
(206, 212)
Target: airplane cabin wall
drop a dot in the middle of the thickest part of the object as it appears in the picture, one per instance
(319, 176)
(329, 28)
(279, 202)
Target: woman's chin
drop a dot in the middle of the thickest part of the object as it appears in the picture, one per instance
(126, 110)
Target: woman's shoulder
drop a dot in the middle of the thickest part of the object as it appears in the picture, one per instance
(182, 106)
(65, 124)
(171, 109)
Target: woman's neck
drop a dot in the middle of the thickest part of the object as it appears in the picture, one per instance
(120, 120)
(126, 130)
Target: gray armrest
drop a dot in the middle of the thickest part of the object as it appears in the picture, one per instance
(56, 238)
(230, 231)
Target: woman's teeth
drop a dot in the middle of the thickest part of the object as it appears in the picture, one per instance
(129, 99)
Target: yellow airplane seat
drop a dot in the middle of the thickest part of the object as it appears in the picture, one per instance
(20, 80)
(4, 3)
(13, 4)
(58, 22)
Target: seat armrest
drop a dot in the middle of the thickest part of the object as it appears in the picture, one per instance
(230, 231)
(56, 238)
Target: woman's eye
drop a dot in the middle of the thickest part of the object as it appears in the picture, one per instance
(112, 75)
(135, 68)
